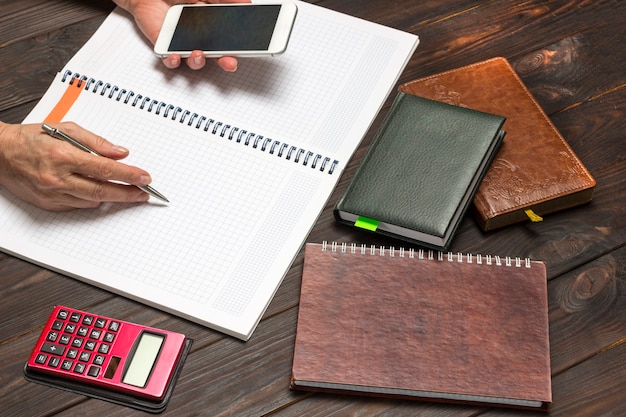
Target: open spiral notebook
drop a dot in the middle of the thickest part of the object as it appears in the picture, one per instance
(248, 161)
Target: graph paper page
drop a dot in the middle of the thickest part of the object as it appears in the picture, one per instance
(248, 161)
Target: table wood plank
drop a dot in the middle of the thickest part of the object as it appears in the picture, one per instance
(568, 52)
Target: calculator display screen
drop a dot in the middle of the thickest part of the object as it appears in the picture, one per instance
(143, 359)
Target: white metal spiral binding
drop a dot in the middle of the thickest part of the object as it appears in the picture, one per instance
(204, 123)
(440, 256)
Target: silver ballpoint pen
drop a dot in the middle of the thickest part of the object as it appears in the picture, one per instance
(57, 134)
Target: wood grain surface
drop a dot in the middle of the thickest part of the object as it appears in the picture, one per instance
(571, 55)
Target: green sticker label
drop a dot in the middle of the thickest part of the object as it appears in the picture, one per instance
(367, 223)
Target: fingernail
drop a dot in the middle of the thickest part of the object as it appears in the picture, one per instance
(120, 149)
(197, 60)
(145, 180)
(143, 197)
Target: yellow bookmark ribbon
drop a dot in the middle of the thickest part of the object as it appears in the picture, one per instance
(533, 216)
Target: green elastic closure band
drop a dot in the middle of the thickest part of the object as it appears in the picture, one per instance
(367, 223)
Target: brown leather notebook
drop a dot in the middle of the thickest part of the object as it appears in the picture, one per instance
(426, 325)
(535, 171)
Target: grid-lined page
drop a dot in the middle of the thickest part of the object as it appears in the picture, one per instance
(321, 92)
(240, 208)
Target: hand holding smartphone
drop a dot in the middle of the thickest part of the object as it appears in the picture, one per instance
(241, 29)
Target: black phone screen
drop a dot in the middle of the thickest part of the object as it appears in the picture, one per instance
(225, 28)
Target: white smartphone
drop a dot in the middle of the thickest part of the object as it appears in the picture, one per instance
(241, 29)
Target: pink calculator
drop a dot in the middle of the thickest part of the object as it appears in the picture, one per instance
(110, 359)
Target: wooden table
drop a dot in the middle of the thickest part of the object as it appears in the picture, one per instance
(571, 55)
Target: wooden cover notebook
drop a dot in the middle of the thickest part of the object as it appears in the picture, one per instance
(535, 169)
(248, 160)
(421, 171)
(423, 325)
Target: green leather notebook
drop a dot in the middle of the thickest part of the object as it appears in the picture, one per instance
(421, 171)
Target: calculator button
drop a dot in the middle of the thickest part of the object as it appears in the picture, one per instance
(77, 342)
(72, 353)
(66, 365)
(100, 322)
(70, 328)
(108, 337)
(52, 336)
(82, 331)
(95, 334)
(87, 320)
(85, 356)
(90, 345)
(79, 368)
(63, 314)
(104, 348)
(54, 361)
(93, 371)
(98, 360)
(57, 325)
(41, 358)
(64, 339)
(53, 349)
(114, 326)
(75, 317)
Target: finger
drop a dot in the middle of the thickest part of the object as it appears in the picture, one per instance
(104, 169)
(196, 60)
(91, 198)
(172, 61)
(51, 199)
(93, 141)
(81, 193)
(227, 63)
(92, 191)
(65, 203)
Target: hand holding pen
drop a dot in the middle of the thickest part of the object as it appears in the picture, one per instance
(58, 134)
(56, 175)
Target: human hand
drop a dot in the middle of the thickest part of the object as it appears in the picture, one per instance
(55, 175)
(149, 16)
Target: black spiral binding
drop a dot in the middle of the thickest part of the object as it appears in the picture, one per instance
(427, 254)
(206, 124)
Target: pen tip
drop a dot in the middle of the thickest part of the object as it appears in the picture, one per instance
(159, 196)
